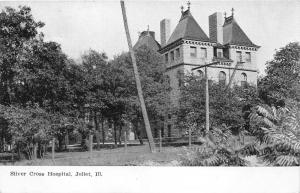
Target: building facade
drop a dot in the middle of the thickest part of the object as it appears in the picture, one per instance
(188, 47)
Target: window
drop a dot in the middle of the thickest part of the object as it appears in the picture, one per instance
(166, 57)
(180, 82)
(203, 53)
(172, 56)
(201, 74)
(169, 130)
(219, 54)
(177, 53)
(180, 78)
(238, 56)
(248, 57)
(193, 51)
(244, 79)
(222, 78)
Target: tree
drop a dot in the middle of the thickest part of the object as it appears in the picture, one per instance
(226, 107)
(282, 78)
(278, 131)
(155, 89)
(37, 73)
(29, 127)
(17, 27)
(95, 65)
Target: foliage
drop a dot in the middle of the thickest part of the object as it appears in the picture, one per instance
(218, 149)
(27, 126)
(17, 27)
(278, 131)
(282, 78)
(226, 107)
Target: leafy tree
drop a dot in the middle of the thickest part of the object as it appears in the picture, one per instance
(282, 78)
(29, 127)
(278, 131)
(154, 87)
(95, 65)
(34, 72)
(226, 107)
(17, 27)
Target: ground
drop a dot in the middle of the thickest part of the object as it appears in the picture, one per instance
(135, 156)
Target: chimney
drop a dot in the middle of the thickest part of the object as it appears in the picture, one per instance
(165, 30)
(216, 27)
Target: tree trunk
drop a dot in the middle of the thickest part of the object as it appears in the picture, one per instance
(115, 131)
(66, 140)
(35, 151)
(60, 139)
(97, 130)
(120, 134)
(138, 132)
(103, 129)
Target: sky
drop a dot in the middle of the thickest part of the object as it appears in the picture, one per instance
(82, 25)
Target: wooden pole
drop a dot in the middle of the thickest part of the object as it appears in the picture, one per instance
(91, 145)
(137, 80)
(53, 148)
(160, 140)
(125, 140)
(190, 137)
(206, 101)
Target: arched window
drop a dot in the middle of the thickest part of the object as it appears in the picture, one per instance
(222, 78)
(200, 74)
(244, 79)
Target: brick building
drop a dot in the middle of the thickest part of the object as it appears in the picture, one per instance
(188, 47)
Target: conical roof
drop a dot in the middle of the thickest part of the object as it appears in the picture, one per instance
(188, 28)
(147, 38)
(234, 35)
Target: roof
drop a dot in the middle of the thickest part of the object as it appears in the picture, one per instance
(188, 28)
(147, 38)
(234, 35)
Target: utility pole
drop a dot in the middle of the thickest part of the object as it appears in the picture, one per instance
(206, 101)
(205, 66)
(137, 80)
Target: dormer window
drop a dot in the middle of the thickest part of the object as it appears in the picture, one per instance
(203, 53)
(193, 51)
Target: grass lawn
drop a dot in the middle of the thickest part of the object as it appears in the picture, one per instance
(135, 155)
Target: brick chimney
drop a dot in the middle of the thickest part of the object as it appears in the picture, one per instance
(165, 30)
(216, 27)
